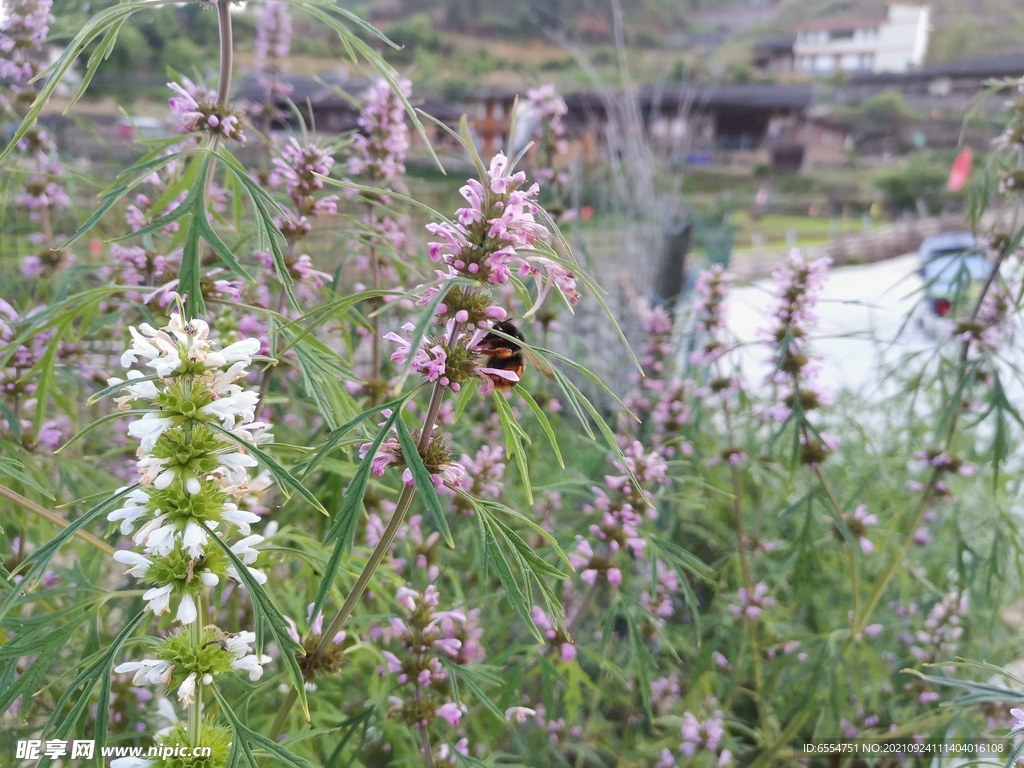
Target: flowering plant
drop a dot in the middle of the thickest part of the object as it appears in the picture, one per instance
(438, 558)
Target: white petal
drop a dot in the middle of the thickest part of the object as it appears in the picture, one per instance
(187, 609)
(159, 599)
(187, 690)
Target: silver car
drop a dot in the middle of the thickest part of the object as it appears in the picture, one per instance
(952, 270)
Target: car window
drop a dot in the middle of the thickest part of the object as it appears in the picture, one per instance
(947, 269)
(941, 252)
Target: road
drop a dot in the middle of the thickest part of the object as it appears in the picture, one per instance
(861, 311)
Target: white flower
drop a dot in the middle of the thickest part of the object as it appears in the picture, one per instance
(139, 564)
(187, 691)
(519, 714)
(159, 599)
(187, 609)
(252, 664)
(239, 352)
(156, 347)
(134, 508)
(150, 467)
(254, 433)
(143, 390)
(194, 540)
(229, 409)
(244, 548)
(131, 762)
(164, 479)
(150, 526)
(234, 465)
(152, 671)
(225, 382)
(241, 644)
(148, 429)
(258, 576)
(159, 541)
(239, 517)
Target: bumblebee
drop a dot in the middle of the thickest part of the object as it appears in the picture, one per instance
(505, 354)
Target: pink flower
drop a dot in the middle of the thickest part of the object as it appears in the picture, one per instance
(451, 712)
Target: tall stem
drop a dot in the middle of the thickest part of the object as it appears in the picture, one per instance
(378, 554)
(428, 753)
(226, 51)
(195, 712)
(54, 518)
(375, 320)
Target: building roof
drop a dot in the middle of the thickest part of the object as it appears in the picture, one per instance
(756, 95)
(839, 23)
(327, 89)
(1009, 65)
(334, 91)
(776, 44)
(995, 66)
(702, 97)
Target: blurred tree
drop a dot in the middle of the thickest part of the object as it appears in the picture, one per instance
(922, 177)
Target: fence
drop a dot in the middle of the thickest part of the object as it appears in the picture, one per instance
(862, 248)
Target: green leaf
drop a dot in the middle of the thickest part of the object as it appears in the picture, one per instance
(581, 405)
(98, 25)
(13, 422)
(422, 478)
(282, 475)
(126, 181)
(544, 423)
(189, 274)
(195, 178)
(245, 738)
(354, 43)
(546, 535)
(39, 560)
(464, 399)
(466, 674)
(514, 436)
(343, 531)
(220, 247)
(265, 613)
(505, 575)
(81, 689)
(102, 420)
(339, 434)
(13, 468)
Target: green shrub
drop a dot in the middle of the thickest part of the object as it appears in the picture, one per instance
(922, 177)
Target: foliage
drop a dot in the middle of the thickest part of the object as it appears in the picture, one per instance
(461, 559)
(922, 177)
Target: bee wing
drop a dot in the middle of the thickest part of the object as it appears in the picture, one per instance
(539, 363)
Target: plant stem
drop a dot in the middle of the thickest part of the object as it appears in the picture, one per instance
(226, 51)
(588, 598)
(428, 753)
(54, 518)
(748, 583)
(856, 581)
(737, 511)
(265, 379)
(375, 320)
(379, 552)
(195, 712)
(897, 559)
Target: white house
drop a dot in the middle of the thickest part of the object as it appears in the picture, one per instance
(897, 43)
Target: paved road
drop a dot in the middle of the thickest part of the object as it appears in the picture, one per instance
(861, 312)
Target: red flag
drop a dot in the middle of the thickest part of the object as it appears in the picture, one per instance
(961, 171)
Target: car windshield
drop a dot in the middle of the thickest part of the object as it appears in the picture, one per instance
(944, 270)
(945, 252)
